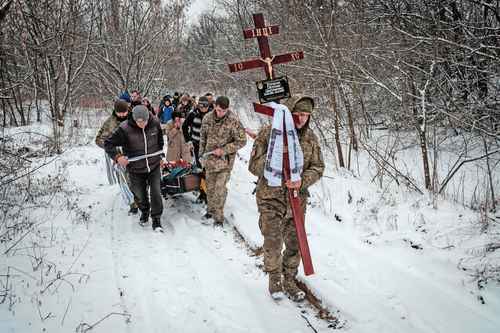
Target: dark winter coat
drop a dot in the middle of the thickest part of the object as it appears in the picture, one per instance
(136, 141)
(192, 126)
(184, 109)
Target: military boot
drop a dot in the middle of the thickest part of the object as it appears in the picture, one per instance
(202, 198)
(293, 291)
(275, 285)
(207, 219)
(218, 222)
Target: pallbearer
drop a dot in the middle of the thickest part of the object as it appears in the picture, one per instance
(222, 135)
(306, 167)
(287, 159)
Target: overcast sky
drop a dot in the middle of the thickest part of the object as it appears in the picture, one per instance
(197, 7)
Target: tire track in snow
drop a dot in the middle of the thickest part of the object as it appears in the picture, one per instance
(115, 258)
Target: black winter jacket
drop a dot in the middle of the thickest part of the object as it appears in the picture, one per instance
(191, 128)
(136, 142)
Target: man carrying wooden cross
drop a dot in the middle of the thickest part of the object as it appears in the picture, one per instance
(306, 167)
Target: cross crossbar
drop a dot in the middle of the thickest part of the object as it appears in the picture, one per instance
(266, 61)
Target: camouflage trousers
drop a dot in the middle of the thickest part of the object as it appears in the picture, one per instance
(278, 229)
(217, 193)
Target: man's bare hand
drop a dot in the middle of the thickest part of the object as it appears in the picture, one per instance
(293, 185)
(123, 161)
(218, 152)
(250, 133)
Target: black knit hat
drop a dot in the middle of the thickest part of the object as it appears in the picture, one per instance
(222, 101)
(203, 101)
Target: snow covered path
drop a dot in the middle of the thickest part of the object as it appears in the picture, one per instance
(192, 278)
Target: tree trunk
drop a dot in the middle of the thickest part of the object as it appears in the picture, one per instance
(333, 100)
(421, 127)
(350, 119)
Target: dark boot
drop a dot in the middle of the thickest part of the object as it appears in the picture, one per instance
(144, 218)
(157, 224)
(202, 198)
(207, 219)
(133, 209)
(218, 223)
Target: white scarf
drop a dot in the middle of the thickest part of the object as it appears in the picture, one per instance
(273, 170)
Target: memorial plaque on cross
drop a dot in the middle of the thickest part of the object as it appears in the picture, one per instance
(278, 89)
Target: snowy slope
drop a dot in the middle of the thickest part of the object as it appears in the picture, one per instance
(365, 264)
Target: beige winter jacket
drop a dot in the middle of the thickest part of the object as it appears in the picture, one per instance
(176, 147)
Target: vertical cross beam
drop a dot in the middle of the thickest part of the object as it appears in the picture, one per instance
(265, 50)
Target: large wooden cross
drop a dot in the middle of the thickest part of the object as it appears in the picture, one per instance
(266, 61)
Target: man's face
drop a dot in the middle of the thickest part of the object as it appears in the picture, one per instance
(210, 99)
(301, 119)
(220, 112)
(141, 123)
(203, 107)
(122, 114)
(136, 96)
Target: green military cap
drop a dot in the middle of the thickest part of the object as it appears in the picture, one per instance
(304, 104)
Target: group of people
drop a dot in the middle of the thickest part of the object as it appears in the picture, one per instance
(207, 133)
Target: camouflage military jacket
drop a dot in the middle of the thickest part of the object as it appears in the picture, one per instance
(313, 164)
(226, 133)
(106, 130)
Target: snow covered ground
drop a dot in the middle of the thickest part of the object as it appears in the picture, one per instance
(385, 262)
